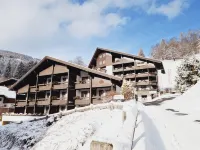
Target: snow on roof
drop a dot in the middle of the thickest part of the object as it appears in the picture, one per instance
(5, 91)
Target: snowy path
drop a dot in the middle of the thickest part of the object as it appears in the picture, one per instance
(73, 131)
(158, 129)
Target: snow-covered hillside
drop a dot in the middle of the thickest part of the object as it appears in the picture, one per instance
(10, 63)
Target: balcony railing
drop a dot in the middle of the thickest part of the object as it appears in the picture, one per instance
(133, 68)
(82, 101)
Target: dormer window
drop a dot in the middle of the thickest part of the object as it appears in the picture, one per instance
(64, 79)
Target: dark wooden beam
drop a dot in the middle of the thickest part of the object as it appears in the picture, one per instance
(36, 85)
(50, 100)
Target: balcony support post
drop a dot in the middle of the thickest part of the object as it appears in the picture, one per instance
(36, 85)
(51, 87)
(90, 97)
(27, 97)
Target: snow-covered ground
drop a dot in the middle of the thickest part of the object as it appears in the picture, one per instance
(169, 122)
(74, 131)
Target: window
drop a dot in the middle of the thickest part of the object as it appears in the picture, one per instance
(101, 93)
(64, 79)
(100, 63)
(1, 99)
(84, 80)
(100, 56)
(48, 80)
(84, 93)
(104, 62)
(63, 94)
(47, 96)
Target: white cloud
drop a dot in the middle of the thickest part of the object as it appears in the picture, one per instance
(171, 9)
(28, 25)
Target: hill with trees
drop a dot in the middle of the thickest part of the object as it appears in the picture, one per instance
(15, 65)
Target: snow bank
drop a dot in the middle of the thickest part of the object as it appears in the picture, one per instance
(116, 131)
(72, 131)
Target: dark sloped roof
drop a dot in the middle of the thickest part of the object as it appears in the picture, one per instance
(157, 63)
(98, 73)
(7, 81)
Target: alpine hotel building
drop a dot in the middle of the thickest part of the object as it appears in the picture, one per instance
(54, 85)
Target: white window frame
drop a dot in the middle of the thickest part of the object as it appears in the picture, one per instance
(48, 79)
(47, 94)
(62, 97)
(1, 99)
(62, 81)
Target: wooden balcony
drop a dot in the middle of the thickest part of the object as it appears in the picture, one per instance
(46, 87)
(141, 75)
(60, 86)
(59, 102)
(43, 102)
(31, 103)
(33, 89)
(82, 102)
(145, 92)
(97, 101)
(133, 68)
(20, 103)
(147, 83)
(82, 86)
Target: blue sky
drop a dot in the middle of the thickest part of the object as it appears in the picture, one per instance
(68, 28)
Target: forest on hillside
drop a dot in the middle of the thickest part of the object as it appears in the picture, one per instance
(15, 65)
(186, 44)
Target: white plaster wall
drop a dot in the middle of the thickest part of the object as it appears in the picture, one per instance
(109, 70)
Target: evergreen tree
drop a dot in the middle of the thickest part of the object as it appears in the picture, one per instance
(30, 65)
(187, 74)
(141, 53)
(7, 73)
(21, 70)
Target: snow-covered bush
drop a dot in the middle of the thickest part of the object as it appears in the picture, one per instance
(188, 73)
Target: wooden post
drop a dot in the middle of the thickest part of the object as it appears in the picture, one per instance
(50, 101)
(36, 85)
(122, 66)
(90, 98)
(27, 97)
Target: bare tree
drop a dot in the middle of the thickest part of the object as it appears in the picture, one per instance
(186, 45)
(78, 60)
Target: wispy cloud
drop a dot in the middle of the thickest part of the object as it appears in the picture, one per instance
(171, 9)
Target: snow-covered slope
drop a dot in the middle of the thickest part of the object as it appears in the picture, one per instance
(188, 102)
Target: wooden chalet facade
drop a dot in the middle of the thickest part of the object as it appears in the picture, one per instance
(143, 72)
(54, 85)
